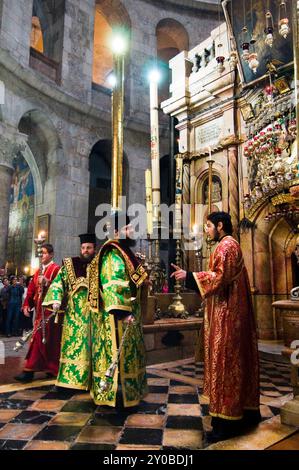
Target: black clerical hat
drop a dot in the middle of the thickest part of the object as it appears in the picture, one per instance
(87, 238)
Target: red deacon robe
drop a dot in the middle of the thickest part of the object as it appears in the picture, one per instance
(43, 357)
(231, 378)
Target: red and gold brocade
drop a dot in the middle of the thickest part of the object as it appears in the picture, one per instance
(43, 357)
(231, 379)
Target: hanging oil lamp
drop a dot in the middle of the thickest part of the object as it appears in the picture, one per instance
(245, 45)
(220, 59)
(233, 59)
(283, 22)
(233, 56)
(253, 62)
(269, 29)
(252, 59)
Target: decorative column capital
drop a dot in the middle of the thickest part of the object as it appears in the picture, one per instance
(230, 141)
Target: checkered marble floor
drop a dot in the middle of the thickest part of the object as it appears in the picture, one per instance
(172, 416)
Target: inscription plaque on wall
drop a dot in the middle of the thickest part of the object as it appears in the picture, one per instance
(207, 134)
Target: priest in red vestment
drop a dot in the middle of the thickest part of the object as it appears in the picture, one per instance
(40, 356)
(231, 364)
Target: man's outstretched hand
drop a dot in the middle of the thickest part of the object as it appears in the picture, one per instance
(179, 273)
(129, 319)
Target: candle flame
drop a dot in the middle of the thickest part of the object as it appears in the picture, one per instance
(41, 235)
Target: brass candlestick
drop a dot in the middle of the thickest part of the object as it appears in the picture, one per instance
(177, 309)
(210, 162)
(198, 257)
(39, 243)
(156, 273)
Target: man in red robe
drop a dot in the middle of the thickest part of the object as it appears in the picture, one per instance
(231, 364)
(42, 356)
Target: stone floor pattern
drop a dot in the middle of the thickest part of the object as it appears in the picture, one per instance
(172, 416)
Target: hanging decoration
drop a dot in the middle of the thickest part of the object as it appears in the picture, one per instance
(219, 55)
(283, 21)
(269, 29)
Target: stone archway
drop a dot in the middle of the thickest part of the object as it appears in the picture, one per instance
(267, 249)
(44, 156)
(47, 29)
(21, 216)
(11, 144)
(172, 38)
(282, 244)
(107, 18)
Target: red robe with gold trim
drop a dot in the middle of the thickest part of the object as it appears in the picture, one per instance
(43, 357)
(231, 378)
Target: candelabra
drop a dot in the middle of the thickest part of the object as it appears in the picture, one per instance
(39, 243)
(197, 241)
(155, 272)
(177, 309)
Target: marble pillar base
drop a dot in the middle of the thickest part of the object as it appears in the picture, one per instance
(289, 413)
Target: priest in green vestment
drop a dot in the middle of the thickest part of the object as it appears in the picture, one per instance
(115, 280)
(79, 334)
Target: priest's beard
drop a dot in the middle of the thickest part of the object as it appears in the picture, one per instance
(127, 242)
(87, 258)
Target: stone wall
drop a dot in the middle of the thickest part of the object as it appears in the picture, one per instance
(64, 119)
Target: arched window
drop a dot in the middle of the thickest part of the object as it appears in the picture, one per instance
(36, 38)
(216, 190)
(172, 38)
(46, 39)
(102, 55)
(100, 178)
(107, 17)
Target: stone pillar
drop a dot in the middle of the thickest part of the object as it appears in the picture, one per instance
(77, 57)
(8, 149)
(15, 28)
(233, 185)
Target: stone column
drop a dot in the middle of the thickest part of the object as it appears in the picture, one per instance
(15, 29)
(77, 57)
(233, 185)
(8, 149)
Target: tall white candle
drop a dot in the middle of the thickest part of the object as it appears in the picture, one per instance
(149, 201)
(178, 192)
(155, 152)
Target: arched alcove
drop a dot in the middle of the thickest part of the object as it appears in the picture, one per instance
(284, 272)
(42, 139)
(44, 156)
(100, 178)
(172, 38)
(268, 248)
(21, 216)
(216, 190)
(107, 18)
(46, 41)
